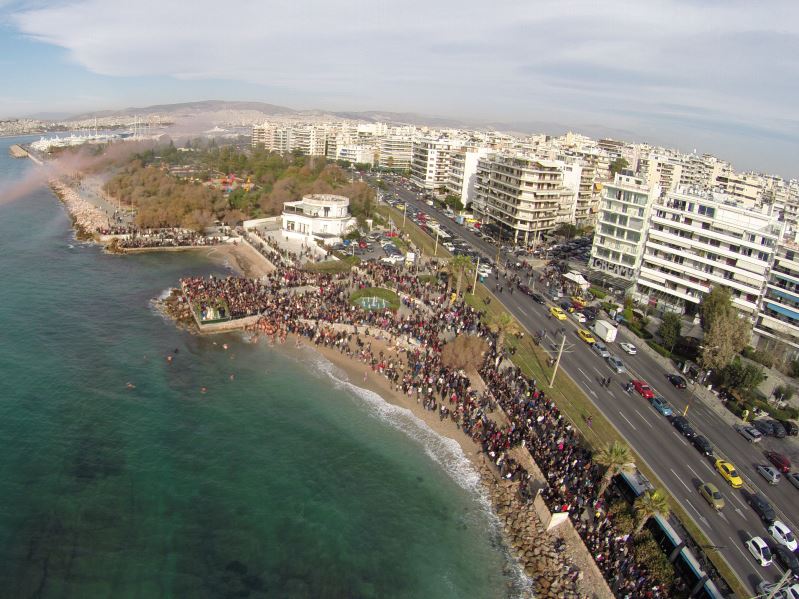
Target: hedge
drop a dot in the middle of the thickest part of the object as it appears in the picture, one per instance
(658, 348)
(642, 333)
(597, 292)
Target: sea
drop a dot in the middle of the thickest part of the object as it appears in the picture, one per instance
(120, 478)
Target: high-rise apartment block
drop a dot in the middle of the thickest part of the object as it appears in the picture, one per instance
(777, 326)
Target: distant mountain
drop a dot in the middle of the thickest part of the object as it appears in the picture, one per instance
(407, 118)
(189, 107)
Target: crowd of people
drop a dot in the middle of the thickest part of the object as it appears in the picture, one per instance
(316, 306)
(165, 238)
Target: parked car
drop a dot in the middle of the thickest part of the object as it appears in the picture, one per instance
(764, 426)
(791, 428)
(750, 433)
(729, 473)
(762, 508)
(711, 494)
(781, 461)
(770, 473)
(601, 349)
(615, 364)
(539, 299)
(779, 430)
(629, 348)
(759, 550)
(643, 389)
(787, 559)
(683, 426)
(783, 535)
(661, 405)
(703, 445)
(793, 478)
(677, 381)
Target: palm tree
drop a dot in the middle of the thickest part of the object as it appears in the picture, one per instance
(503, 325)
(458, 266)
(648, 505)
(616, 457)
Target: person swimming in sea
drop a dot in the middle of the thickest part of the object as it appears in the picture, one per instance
(130, 386)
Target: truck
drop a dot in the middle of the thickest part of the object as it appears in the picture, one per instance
(605, 331)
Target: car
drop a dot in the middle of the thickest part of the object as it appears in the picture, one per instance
(791, 428)
(764, 426)
(783, 535)
(557, 313)
(750, 433)
(393, 259)
(579, 317)
(787, 559)
(578, 301)
(786, 592)
(762, 508)
(677, 381)
(793, 478)
(643, 389)
(539, 299)
(779, 430)
(770, 473)
(683, 426)
(759, 550)
(661, 405)
(712, 495)
(703, 445)
(629, 348)
(616, 365)
(729, 473)
(601, 349)
(586, 335)
(780, 460)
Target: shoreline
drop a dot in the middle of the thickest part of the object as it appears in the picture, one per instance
(529, 546)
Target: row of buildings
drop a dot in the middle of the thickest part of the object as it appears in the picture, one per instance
(669, 248)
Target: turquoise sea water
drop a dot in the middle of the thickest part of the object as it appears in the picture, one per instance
(281, 482)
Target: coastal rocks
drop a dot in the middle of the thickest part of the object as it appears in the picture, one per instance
(86, 217)
(532, 546)
(174, 307)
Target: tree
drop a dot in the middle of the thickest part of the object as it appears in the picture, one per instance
(650, 504)
(740, 376)
(567, 230)
(464, 352)
(503, 325)
(618, 165)
(728, 335)
(617, 458)
(714, 304)
(459, 266)
(454, 202)
(669, 329)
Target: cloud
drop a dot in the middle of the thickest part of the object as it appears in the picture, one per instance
(576, 61)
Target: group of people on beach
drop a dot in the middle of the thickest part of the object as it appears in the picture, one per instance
(316, 306)
(166, 238)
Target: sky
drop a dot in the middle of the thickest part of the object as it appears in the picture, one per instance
(718, 76)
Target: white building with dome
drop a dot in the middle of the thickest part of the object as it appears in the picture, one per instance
(324, 218)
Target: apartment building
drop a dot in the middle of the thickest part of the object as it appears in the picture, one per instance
(698, 240)
(743, 186)
(523, 196)
(356, 154)
(396, 152)
(621, 228)
(284, 138)
(463, 173)
(659, 170)
(777, 327)
(430, 162)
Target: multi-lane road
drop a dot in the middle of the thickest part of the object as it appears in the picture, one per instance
(671, 456)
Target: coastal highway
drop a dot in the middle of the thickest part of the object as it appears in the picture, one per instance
(675, 461)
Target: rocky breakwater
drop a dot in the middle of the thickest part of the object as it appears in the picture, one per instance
(553, 577)
(86, 217)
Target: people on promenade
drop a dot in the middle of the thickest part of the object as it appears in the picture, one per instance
(316, 306)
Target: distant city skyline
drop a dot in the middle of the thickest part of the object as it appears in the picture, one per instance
(718, 77)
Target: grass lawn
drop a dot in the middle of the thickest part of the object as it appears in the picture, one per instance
(387, 294)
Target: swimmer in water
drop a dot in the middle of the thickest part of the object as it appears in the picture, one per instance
(224, 346)
(169, 359)
(232, 376)
(203, 389)
(130, 386)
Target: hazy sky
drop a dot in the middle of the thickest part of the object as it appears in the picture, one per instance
(717, 76)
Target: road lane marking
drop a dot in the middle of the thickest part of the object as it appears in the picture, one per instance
(649, 424)
(741, 514)
(677, 476)
(741, 551)
(743, 505)
(692, 470)
(588, 378)
(701, 517)
(592, 392)
(597, 371)
(722, 516)
(628, 421)
(705, 464)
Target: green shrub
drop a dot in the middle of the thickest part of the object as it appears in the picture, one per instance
(622, 516)
(658, 348)
(609, 306)
(597, 292)
(642, 333)
(649, 554)
(761, 357)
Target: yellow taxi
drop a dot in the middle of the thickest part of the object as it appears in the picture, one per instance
(729, 473)
(557, 313)
(586, 335)
(578, 301)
